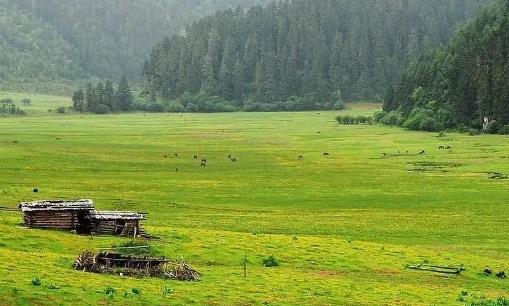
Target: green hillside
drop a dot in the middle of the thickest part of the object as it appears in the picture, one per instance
(313, 50)
(45, 42)
(462, 84)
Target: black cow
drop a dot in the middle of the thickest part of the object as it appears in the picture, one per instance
(326, 154)
(204, 161)
(422, 152)
(203, 164)
(195, 157)
(233, 159)
(36, 190)
(175, 155)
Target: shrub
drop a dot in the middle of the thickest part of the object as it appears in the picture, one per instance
(109, 290)
(492, 127)
(36, 281)
(339, 105)
(474, 132)
(504, 130)
(167, 290)
(53, 287)
(393, 118)
(154, 107)
(102, 109)
(175, 107)
(136, 291)
(61, 110)
(270, 261)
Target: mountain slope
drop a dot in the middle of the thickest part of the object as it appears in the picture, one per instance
(462, 84)
(302, 48)
(96, 38)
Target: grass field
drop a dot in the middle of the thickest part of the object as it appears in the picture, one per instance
(342, 227)
(41, 104)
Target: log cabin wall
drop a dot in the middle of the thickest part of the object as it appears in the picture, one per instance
(64, 219)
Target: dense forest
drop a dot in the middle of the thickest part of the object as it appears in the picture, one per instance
(45, 44)
(300, 54)
(465, 84)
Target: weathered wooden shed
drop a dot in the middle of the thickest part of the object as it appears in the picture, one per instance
(67, 215)
(115, 223)
(81, 216)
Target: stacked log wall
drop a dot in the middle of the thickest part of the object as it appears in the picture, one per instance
(51, 219)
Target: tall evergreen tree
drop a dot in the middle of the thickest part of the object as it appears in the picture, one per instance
(124, 95)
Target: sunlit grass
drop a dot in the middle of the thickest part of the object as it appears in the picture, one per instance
(342, 228)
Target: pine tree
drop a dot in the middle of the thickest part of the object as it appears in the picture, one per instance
(90, 98)
(78, 100)
(109, 96)
(124, 95)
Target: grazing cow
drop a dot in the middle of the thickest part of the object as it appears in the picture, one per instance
(233, 159)
(448, 147)
(203, 164)
(318, 132)
(384, 154)
(326, 154)
(195, 157)
(422, 152)
(301, 157)
(166, 156)
(204, 161)
(15, 141)
(175, 155)
(441, 147)
(36, 190)
(229, 156)
(176, 169)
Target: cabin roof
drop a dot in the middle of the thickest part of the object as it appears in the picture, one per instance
(115, 215)
(57, 205)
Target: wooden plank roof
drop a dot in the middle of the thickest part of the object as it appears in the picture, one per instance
(115, 215)
(57, 205)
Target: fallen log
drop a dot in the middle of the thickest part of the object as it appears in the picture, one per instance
(436, 269)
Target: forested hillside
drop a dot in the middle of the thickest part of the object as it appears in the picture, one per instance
(303, 54)
(56, 41)
(465, 84)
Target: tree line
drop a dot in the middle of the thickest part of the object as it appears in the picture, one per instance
(104, 98)
(462, 85)
(300, 54)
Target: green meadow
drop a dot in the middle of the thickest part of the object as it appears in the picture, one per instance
(343, 227)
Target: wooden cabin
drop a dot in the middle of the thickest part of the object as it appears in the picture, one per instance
(66, 215)
(115, 223)
(81, 216)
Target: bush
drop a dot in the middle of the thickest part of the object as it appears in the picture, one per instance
(175, 107)
(136, 291)
(339, 105)
(102, 109)
(26, 101)
(393, 118)
(504, 130)
(36, 281)
(154, 107)
(109, 290)
(270, 261)
(61, 110)
(422, 120)
(492, 127)
(474, 132)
